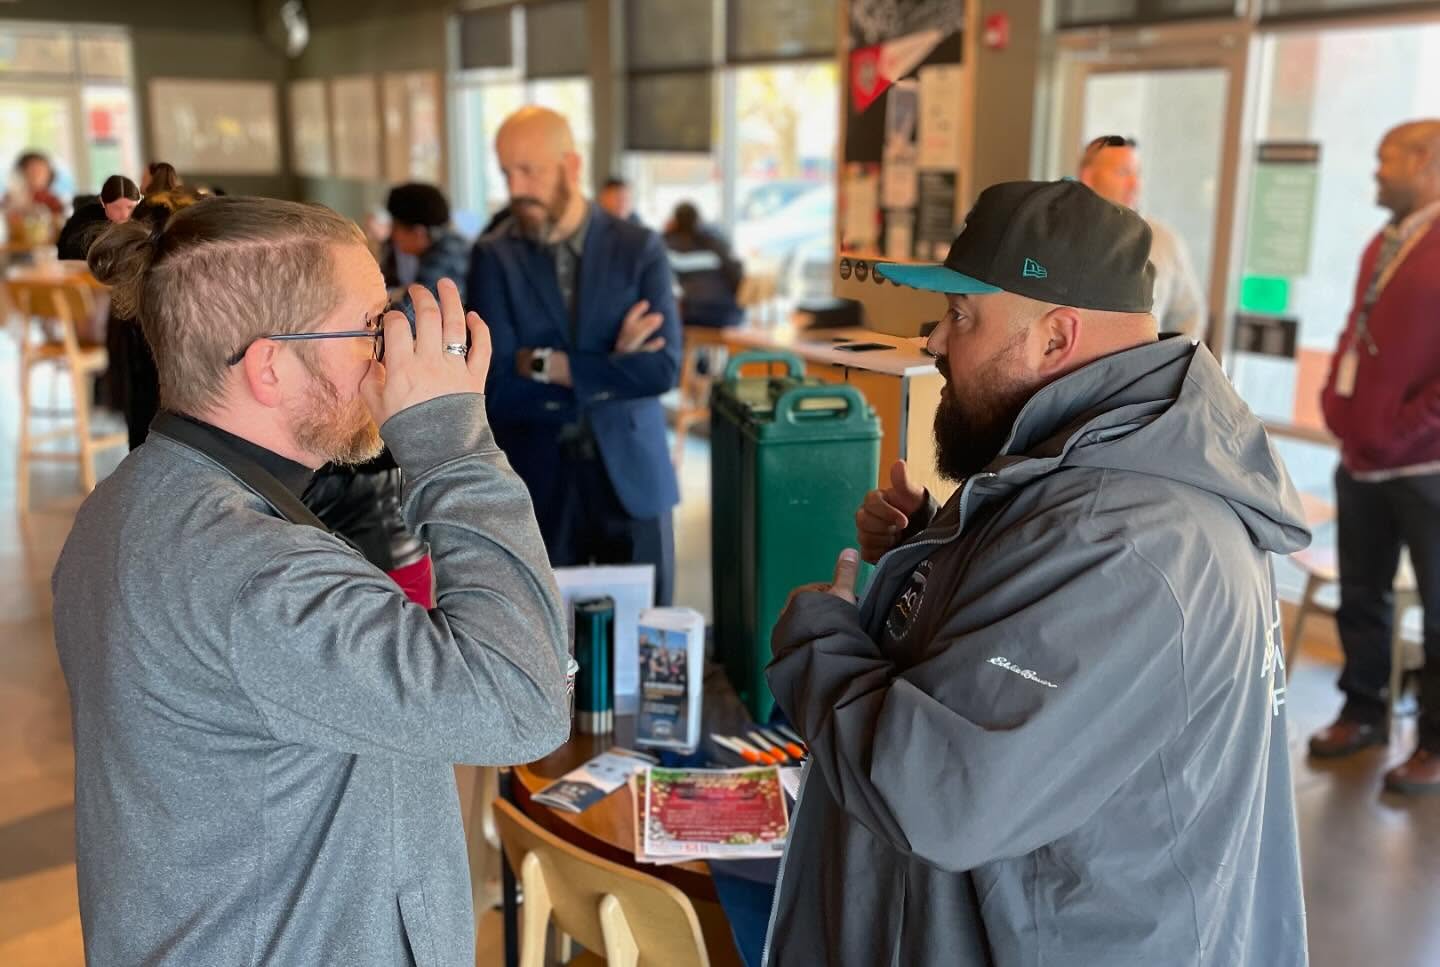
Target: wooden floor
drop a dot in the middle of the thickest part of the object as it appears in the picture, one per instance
(1372, 882)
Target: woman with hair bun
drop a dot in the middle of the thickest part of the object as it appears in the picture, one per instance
(118, 198)
(117, 257)
(159, 176)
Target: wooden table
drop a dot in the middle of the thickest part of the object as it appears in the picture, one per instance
(899, 380)
(607, 828)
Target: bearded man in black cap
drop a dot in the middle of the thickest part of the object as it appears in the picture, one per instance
(1053, 730)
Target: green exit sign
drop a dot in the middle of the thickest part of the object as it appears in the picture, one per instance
(1264, 293)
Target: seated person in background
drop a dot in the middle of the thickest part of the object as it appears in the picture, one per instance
(707, 271)
(159, 176)
(118, 198)
(617, 200)
(32, 209)
(420, 228)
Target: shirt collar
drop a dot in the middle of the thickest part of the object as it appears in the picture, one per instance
(1417, 220)
(576, 242)
(294, 477)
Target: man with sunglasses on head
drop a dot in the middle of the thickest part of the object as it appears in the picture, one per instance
(1110, 165)
(264, 725)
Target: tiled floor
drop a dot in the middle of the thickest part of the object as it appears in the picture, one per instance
(1372, 883)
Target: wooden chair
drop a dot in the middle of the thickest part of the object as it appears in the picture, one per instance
(50, 313)
(1320, 562)
(694, 385)
(636, 919)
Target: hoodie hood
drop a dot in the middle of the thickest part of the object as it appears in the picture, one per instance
(1165, 409)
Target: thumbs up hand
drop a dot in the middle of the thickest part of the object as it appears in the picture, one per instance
(885, 513)
(842, 587)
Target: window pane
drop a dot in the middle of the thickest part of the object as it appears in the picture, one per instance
(105, 58)
(1391, 74)
(1282, 8)
(485, 39)
(661, 181)
(777, 29)
(557, 43)
(571, 97)
(1089, 12)
(110, 138)
(37, 52)
(670, 112)
(669, 34)
(785, 174)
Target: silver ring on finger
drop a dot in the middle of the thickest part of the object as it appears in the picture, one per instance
(456, 348)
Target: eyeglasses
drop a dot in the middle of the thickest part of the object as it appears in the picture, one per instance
(376, 332)
(1103, 142)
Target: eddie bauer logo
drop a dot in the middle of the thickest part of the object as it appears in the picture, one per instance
(1024, 673)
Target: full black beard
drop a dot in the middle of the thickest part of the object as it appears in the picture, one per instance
(542, 230)
(970, 432)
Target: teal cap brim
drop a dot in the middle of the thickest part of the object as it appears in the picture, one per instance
(934, 278)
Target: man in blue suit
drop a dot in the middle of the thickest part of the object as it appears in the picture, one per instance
(586, 338)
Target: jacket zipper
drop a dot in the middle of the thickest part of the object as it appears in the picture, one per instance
(805, 771)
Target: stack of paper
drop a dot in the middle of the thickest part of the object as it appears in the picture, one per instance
(704, 814)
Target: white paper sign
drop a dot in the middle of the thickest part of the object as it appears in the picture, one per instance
(632, 588)
(940, 100)
(898, 174)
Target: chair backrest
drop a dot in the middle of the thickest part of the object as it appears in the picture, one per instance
(660, 918)
(63, 307)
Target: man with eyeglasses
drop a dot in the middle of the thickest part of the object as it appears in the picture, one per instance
(265, 726)
(1110, 165)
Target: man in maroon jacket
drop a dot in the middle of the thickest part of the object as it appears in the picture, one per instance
(1383, 401)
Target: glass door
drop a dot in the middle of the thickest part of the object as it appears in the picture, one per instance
(1178, 92)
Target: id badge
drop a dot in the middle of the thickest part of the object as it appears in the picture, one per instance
(1345, 373)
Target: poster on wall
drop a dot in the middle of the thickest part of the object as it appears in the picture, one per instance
(898, 172)
(935, 215)
(941, 90)
(890, 40)
(216, 127)
(860, 205)
(1282, 210)
(310, 128)
(355, 122)
(414, 139)
(900, 235)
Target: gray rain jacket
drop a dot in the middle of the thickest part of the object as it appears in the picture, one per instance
(1079, 755)
(265, 725)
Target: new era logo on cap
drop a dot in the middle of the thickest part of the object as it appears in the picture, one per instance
(1034, 270)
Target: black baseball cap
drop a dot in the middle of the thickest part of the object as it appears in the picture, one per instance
(418, 204)
(1053, 241)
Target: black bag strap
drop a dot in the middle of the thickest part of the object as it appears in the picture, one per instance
(241, 467)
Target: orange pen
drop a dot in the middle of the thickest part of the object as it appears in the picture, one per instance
(796, 752)
(768, 746)
(749, 755)
(769, 758)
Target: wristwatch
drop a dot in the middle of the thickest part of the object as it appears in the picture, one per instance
(540, 365)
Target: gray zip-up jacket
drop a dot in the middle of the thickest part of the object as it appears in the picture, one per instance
(1053, 731)
(265, 725)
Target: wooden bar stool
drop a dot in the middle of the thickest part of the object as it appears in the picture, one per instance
(51, 311)
(694, 385)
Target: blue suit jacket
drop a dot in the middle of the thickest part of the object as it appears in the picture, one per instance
(512, 285)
